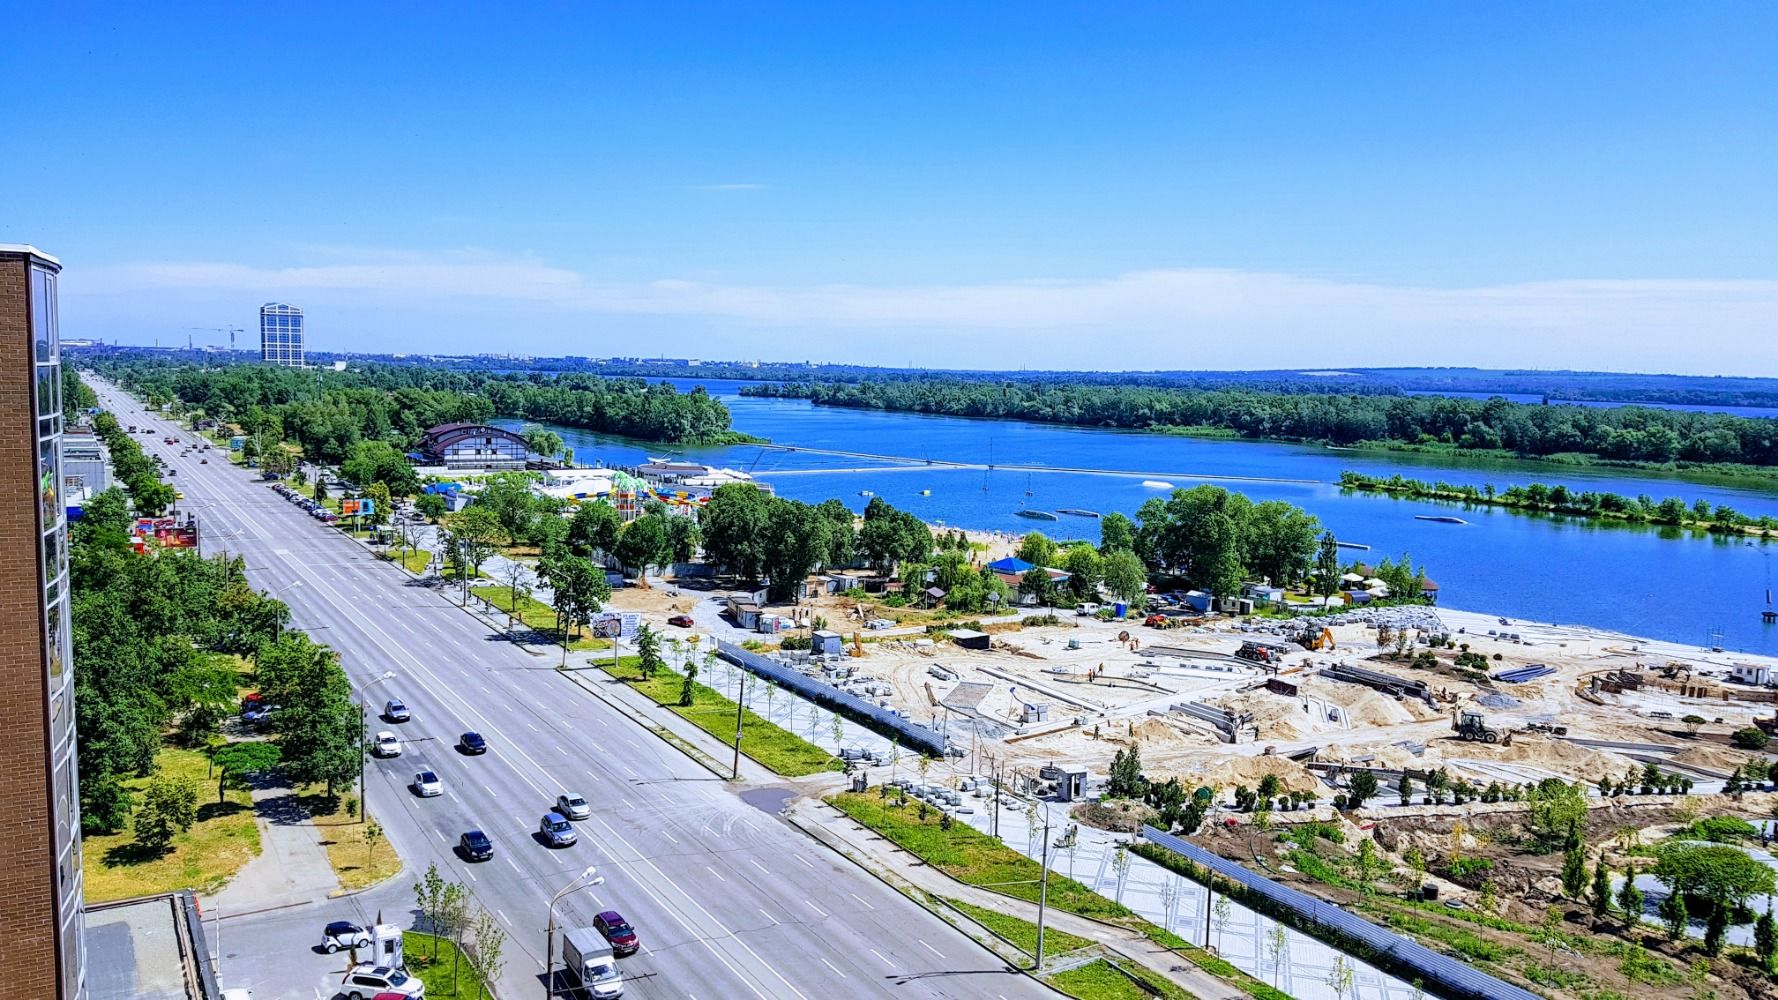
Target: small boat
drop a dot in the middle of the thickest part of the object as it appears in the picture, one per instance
(1353, 545)
(1156, 484)
(1077, 512)
(866, 493)
(925, 493)
(1440, 518)
(1036, 515)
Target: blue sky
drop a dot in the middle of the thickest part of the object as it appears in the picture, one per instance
(997, 185)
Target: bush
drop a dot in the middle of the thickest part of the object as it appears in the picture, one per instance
(796, 640)
(1751, 738)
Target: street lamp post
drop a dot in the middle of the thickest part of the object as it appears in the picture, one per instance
(363, 721)
(1044, 884)
(549, 947)
(740, 707)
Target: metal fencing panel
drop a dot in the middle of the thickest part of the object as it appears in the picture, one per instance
(1438, 974)
(910, 734)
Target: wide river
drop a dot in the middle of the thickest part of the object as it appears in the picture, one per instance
(1629, 579)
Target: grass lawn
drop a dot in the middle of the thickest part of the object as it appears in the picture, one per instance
(201, 858)
(973, 857)
(1022, 933)
(417, 948)
(782, 751)
(415, 560)
(1097, 980)
(357, 862)
(535, 614)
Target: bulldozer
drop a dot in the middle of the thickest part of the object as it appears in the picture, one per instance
(1471, 727)
(1315, 639)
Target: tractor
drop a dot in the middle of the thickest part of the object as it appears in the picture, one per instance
(1315, 639)
(1470, 726)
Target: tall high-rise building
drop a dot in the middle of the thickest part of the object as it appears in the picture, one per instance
(41, 916)
(281, 334)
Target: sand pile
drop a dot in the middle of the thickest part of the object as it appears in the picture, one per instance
(1363, 706)
(1275, 716)
(1161, 735)
(1249, 770)
(1712, 757)
(1565, 758)
(1380, 755)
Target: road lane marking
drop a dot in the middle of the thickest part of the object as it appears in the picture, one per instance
(768, 916)
(714, 872)
(758, 865)
(856, 896)
(817, 909)
(834, 967)
(880, 955)
(669, 836)
(804, 860)
(930, 948)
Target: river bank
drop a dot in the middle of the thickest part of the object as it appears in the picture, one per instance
(1698, 521)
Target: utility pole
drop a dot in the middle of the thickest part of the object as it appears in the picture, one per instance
(740, 707)
(549, 947)
(1043, 892)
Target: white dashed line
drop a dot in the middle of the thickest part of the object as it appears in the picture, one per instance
(804, 860)
(812, 906)
(768, 916)
(834, 967)
(759, 866)
(930, 948)
(714, 872)
(860, 899)
(880, 955)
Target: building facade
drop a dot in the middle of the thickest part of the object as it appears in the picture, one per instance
(41, 916)
(472, 446)
(281, 334)
(86, 464)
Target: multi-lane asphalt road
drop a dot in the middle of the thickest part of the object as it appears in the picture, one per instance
(731, 902)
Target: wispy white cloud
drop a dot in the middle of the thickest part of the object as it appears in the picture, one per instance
(1185, 316)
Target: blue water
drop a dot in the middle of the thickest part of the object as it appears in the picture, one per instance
(1503, 562)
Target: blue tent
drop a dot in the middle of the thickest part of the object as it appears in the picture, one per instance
(1009, 565)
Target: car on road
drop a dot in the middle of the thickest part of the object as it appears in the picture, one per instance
(573, 806)
(618, 932)
(680, 621)
(203, 461)
(387, 744)
(472, 742)
(343, 935)
(556, 830)
(365, 982)
(395, 711)
(475, 846)
(427, 785)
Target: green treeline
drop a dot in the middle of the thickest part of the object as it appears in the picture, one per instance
(133, 468)
(1622, 434)
(1204, 538)
(326, 412)
(1558, 499)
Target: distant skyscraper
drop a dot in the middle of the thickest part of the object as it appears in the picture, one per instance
(41, 915)
(281, 334)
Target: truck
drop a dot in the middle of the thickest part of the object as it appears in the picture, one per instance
(591, 963)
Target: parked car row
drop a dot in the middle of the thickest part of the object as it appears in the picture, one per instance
(314, 510)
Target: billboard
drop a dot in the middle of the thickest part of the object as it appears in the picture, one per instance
(612, 624)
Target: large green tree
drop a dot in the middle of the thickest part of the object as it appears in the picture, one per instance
(370, 462)
(319, 728)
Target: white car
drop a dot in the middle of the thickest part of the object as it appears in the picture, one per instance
(343, 935)
(573, 806)
(386, 745)
(367, 981)
(427, 785)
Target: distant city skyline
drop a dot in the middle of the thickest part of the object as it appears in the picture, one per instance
(1041, 186)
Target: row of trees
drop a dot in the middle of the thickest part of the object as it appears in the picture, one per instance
(327, 412)
(1559, 499)
(1626, 433)
(154, 636)
(133, 468)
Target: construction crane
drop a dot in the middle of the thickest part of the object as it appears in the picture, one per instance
(230, 330)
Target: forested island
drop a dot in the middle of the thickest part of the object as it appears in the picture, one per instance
(326, 412)
(1545, 499)
(1490, 427)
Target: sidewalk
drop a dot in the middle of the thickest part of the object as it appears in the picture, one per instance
(906, 872)
(291, 866)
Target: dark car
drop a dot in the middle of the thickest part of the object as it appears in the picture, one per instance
(395, 711)
(680, 621)
(618, 932)
(472, 742)
(476, 846)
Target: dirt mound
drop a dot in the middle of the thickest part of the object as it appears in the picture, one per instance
(1161, 735)
(1249, 770)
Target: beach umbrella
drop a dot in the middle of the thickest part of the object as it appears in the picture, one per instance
(1352, 578)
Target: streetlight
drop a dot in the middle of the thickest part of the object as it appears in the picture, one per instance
(549, 947)
(363, 721)
(1043, 888)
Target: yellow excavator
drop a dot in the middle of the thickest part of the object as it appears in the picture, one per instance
(1315, 639)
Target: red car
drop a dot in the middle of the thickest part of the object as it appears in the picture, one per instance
(682, 621)
(618, 932)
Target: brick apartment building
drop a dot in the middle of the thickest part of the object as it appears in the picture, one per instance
(41, 916)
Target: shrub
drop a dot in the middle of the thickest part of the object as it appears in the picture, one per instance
(1751, 738)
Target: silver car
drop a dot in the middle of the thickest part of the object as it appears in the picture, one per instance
(573, 806)
(427, 785)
